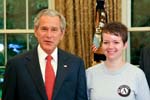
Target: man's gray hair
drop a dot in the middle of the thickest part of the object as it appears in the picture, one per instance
(52, 13)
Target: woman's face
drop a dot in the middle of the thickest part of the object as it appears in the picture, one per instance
(113, 46)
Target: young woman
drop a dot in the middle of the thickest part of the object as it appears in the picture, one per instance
(116, 79)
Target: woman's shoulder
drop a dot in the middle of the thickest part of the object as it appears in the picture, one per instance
(95, 68)
(135, 69)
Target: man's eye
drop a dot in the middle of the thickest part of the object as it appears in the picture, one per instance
(54, 29)
(44, 29)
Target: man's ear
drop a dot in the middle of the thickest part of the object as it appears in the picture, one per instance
(35, 31)
(63, 33)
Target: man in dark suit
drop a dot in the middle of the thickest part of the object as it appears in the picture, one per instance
(145, 62)
(24, 77)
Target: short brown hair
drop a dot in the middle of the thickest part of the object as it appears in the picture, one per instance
(117, 29)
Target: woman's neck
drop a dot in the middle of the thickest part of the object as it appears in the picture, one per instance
(114, 65)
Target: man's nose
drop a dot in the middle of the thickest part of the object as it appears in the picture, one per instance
(49, 32)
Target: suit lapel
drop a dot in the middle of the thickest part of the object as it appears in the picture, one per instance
(35, 72)
(61, 72)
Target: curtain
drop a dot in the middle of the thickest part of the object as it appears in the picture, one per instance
(113, 9)
(80, 17)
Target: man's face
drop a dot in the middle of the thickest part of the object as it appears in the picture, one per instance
(49, 33)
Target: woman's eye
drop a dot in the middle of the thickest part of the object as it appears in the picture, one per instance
(105, 42)
(116, 42)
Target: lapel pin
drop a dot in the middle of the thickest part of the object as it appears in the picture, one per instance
(65, 66)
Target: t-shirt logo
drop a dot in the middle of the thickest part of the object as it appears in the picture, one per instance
(124, 90)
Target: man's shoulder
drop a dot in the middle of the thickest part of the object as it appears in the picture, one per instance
(21, 55)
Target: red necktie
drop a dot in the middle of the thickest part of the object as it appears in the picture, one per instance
(49, 77)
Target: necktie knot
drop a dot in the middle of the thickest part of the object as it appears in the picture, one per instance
(49, 58)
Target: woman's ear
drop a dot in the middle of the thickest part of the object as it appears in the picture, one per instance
(126, 45)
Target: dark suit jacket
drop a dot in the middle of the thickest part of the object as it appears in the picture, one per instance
(145, 62)
(23, 78)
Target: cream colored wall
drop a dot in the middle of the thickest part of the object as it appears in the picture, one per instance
(126, 19)
(51, 4)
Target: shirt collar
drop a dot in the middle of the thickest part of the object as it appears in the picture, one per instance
(42, 54)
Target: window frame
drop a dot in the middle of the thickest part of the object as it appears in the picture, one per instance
(51, 5)
(126, 19)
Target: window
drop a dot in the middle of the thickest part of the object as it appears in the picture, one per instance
(16, 28)
(137, 17)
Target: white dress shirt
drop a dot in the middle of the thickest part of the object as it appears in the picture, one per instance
(42, 60)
